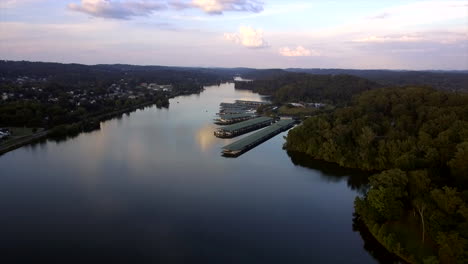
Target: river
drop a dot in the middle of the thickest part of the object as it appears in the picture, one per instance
(152, 187)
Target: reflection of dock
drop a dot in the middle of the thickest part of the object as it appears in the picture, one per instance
(243, 127)
(244, 144)
(229, 119)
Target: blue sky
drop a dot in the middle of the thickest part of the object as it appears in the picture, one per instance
(358, 34)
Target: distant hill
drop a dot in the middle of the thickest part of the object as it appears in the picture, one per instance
(441, 80)
(78, 73)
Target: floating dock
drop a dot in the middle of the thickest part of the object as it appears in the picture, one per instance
(250, 103)
(231, 105)
(230, 111)
(243, 127)
(229, 119)
(237, 148)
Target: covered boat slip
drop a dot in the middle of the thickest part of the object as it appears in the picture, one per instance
(244, 144)
(230, 111)
(243, 127)
(229, 119)
(250, 103)
(231, 105)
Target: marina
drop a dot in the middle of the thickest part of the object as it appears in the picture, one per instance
(242, 127)
(250, 103)
(231, 111)
(239, 147)
(229, 119)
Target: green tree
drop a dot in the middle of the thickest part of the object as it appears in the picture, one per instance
(459, 164)
(387, 192)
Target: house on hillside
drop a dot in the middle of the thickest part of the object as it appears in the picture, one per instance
(297, 105)
(4, 133)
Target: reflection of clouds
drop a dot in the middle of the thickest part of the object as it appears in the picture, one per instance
(98, 142)
(137, 153)
(205, 138)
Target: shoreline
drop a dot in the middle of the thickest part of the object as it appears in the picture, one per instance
(404, 258)
(26, 140)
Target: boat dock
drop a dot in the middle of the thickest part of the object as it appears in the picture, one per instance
(230, 111)
(237, 148)
(243, 127)
(250, 103)
(229, 119)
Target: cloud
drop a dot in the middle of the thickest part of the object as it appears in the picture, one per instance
(383, 39)
(381, 16)
(420, 13)
(299, 51)
(444, 37)
(217, 7)
(117, 9)
(8, 3)
(16, 3)
(248, 37)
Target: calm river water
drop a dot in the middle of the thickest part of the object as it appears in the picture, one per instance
(152, 187)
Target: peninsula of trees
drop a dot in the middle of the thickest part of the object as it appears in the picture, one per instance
(416, 140)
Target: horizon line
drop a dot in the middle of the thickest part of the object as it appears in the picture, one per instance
(220, 67)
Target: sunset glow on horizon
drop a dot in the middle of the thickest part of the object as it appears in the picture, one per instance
(361, 34)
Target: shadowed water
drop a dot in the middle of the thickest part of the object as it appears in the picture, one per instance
(152, 187)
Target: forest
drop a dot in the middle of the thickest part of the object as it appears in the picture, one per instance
(455, 81)
(294, 87)
(415, 139)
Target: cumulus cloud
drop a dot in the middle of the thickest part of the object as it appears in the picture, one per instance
(117, 9)
(248, 37)
(217, 7)
(299, 51)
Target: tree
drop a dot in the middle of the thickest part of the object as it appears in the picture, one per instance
(459, 164)
(419, 186)
(420, 205)
(386, 193)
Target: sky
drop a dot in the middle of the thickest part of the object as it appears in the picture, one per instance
(352, 34)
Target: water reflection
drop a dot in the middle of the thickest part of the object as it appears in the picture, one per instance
(372, 246)
(205, 138)
(357, 180)
(152, 184)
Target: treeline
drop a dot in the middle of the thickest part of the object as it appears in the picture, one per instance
(415, 218)
(40, 94)
(31, 113)
(82, 76)
(441, 80)
(293, 87)
(418, 137)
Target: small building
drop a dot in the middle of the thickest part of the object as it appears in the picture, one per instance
(297, 105)
(4, 133)
(317, 105)
(159, 87)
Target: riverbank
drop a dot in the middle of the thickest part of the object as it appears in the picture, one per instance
(22, 141)
(89, 123)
